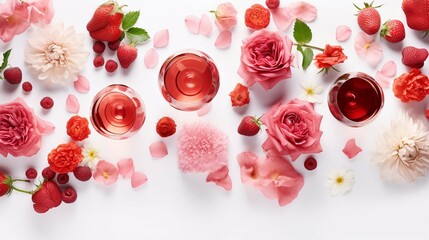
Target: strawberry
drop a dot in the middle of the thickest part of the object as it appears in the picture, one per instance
(414, 57)
(127, 54)
(249, 126)
(13, 75)
(5, 184)
(106, 22)
(368, 18)
(393, 31)
(417, 14)
(46, 197)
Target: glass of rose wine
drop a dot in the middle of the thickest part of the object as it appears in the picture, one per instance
(188, 80)
(117, 112)
(355, 99)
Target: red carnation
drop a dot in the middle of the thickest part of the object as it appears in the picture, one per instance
(240, 95)
(332, 55)
(77, 128)
(65, 158)
(166, 127)
(411, 86)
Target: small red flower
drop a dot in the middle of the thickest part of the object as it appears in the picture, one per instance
(65, 158)
(411, 86)
(257, 17)
(77, 128)
(240, 95)
(166, 127)
(332, 55)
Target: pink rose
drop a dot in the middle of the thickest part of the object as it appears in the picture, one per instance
(20, 129)
(41, 11)
(13, 19)
(293, 129)
(226, 16)
(266, 58)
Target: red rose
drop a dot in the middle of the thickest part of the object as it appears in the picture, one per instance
(331, 56)
(411, 86)
(166, 127)
(65, 157)
(77, 128)
(257, 17)
(240, 95)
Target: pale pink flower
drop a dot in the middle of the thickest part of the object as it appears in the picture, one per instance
(274, 176)
(226, 16)
(368, 48)
(41, 11)
(105, 172)
(13, 19)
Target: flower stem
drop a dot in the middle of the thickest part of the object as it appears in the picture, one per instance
(309, 46)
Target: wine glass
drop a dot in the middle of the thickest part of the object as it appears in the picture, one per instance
(355, 99)
(117, 112)
(188, 79)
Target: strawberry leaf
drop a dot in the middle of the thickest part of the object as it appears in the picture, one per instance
(5, 59)
(130, 20)
(301, 32)
(137, 35)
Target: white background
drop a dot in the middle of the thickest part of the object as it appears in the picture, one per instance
(173, 205)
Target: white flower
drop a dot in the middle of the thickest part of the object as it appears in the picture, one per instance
(340, 181)
(403, 150)
(56, 54)
(312, 91)
(90, 156)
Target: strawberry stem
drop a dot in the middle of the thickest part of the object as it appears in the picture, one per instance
(20, 190)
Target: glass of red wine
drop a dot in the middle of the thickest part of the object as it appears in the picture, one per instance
(117, 112)
(188, 80)
(355, 99)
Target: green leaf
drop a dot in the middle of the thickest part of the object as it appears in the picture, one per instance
(137, 35)
(301, 32)
(307, 58)
(130, 20)
(5, 59)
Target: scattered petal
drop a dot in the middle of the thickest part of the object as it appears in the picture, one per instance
(151, 58)
(204, 110)
(382, 80)
(45, 127)
(221, 178)
(158, 149)
(282, 18)
(343, 33)
(389, 69)
(126, 167)
(223, 40)
(81, 84)
(303, 11)
(161, 39)
(193, 23)
(351, 149)
(138, 179)
(205, 27)
(72, 104)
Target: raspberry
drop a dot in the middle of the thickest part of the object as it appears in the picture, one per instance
(48, 174)
(111, 65)
(98, 47)
(47, 103)
(272, 4)
(82, 173)
(63, 178)
(31, 173)
(114, 45)
(27, 87)
(98, 61)
(69, 195)
(310, 164)
(13, 75)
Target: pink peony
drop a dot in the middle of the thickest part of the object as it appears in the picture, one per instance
(266, 58)
(13, 19)
(274, 176)
(202, 148)
(20, 129)
(41, 11)
(226, 16)
(106, 173)
(293, 129)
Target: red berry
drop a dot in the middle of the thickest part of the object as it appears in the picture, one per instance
(82, 173)
(165, 127)
(114, 45)
(5, 183)
(27, 87)
(111, 65)
(414, 57)
(98, 61)
(98, 47)
(47, 103)
(31, 173)
(272, 4)
(69, 195)
(13, 75)
(63, 178)
(47, 196)
(249, 126)
(393, 31)
(310, 164)
(369, 19)
(48, 174)
(127, 54)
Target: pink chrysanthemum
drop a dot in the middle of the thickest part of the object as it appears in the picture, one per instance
(202, 148)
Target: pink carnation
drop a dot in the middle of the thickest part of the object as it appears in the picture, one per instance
(13, 19)
(202, 148)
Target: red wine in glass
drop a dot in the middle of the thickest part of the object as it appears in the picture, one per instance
(189, 79)
(117, 112)
(355, 99)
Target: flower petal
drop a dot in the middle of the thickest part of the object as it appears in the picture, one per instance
(302, 10)
(151, 58)
(205, 27)
(45, 127)
(161, 39)
(389, 69)
(138, 179)
(72, 104)
(126, 167)
(223, 40)
(193, 23)
(221, 178)
(282, 18)
(382, 80)
(204, 110)
(374, 54)
(351, 149)
(158, 149)
(81, 84)
(343, 33)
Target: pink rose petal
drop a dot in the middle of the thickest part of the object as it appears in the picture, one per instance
(161, 39)
(158, 149)
(343, 33)
(193, 23)
(204, 110)
(351, 149)
(126, 167)
(223, 40)
(151, 58)
(138, 179)
(389, 69)
(282, 18)
(72, 104)
(221, 178)
(81, 84)
(44, 127)
(382, 80)
(205, 26)
(302, 10)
